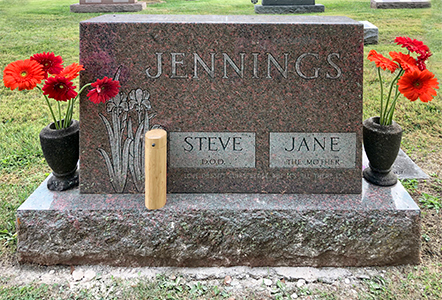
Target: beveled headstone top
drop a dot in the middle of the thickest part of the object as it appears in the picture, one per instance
(251, 104)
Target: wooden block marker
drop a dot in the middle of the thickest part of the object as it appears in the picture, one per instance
(155, 168)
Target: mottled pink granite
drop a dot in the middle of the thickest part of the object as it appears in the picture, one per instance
(227, 89)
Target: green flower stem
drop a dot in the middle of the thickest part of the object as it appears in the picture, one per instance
(393, 106)
(84, 86)
(389, 115)
(50, 108)
(382, 91)
(383, 120)
(59, 114)
(70, 109)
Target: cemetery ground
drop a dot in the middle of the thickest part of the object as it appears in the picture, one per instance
(33, 26)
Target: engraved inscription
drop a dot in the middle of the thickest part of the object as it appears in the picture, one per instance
(260, 65)
(312, 150)
(212, 150)
(261, 175)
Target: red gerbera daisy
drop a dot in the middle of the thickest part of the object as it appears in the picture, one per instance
(418, 84)
(412, 45)
(59, 88)
(418, 47)
(23, 74)
(51, 64)
(71, 71)
(421, 60)
(381, 61)
(407, 62)
(104, 89)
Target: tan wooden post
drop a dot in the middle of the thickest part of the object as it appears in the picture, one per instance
(155, 168)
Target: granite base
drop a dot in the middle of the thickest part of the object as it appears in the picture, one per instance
(404, 167)
(388, 4)
(288, 9)
(94, 8)
(381, 226)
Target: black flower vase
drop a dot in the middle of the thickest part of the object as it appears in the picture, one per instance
(382, 144)
(61, 150)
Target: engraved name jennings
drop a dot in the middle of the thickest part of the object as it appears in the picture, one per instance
(247, 65)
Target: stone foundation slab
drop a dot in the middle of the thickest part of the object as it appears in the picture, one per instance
(381, 226)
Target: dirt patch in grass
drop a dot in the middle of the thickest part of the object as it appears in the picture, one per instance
(431, 237)
(430, 161)
(428, 195)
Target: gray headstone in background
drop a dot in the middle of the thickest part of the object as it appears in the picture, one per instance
(371, 33)
(288, 2)
(92, 2)
(386, 4)
(287, 7)
(97, 6)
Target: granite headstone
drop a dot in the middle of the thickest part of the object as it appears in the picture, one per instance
(252, 104)
(398, 4)
(97, 6)
(106, 1)
(268, 105)
(287, 6)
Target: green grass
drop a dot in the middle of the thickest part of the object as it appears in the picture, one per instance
(27, 292)
(418, 282)
(430, 202)
(31, 26)
(158, 288)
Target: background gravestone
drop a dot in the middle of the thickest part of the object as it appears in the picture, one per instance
(287, 6)
(265, 104)
(91, 6)
(388, 4)
(106, 1)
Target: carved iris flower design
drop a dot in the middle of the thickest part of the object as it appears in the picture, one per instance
(139, 100)
(118, 103)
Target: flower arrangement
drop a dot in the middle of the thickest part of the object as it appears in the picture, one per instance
(57, 83)
(413, 80)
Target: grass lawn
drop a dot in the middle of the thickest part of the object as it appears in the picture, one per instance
(34, 26)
